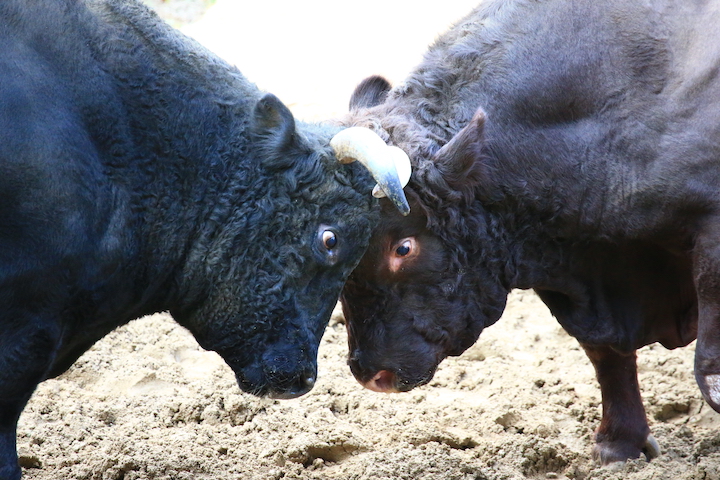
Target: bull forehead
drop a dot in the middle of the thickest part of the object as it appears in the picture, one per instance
(398, 126)
(391, 225)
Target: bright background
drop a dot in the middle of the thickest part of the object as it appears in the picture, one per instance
(313, 53)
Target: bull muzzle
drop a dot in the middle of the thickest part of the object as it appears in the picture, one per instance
(389, 165)
(383, 381)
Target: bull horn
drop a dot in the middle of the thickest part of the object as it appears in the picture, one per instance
(389, 166)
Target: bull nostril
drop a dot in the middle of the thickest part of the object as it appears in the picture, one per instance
(353, 357)
(300, 386)
(383, 381)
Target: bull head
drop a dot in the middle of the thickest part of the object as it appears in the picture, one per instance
(389, 165)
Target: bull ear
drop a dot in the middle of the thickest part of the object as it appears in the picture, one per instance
(273, 120)
(459, 162)
(273, 126)
(370, 92)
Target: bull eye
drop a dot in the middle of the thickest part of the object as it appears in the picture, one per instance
(402, 254)
(327, 245)
(329, 239)
(404, 249)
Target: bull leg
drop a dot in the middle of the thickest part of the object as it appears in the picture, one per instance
(623, 432)
(9, 415)
(25, 357)
(706, 269)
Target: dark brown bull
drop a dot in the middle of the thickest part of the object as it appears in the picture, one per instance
(591, 173)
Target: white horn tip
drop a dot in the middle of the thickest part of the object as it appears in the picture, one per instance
(389, 165)
(402, 164)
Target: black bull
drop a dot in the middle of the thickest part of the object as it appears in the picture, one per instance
(140, 173)
(591, 173)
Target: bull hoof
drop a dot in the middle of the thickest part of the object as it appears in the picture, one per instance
(607, 453)
(710, 388)
(652, 448)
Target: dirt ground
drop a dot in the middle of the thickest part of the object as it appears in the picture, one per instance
(147, 403)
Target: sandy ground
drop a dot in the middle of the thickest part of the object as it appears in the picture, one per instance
(147, 403)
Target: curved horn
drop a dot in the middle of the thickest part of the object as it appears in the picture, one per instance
(389, 166)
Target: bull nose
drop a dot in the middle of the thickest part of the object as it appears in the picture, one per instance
(383, 381)
(300, 386)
